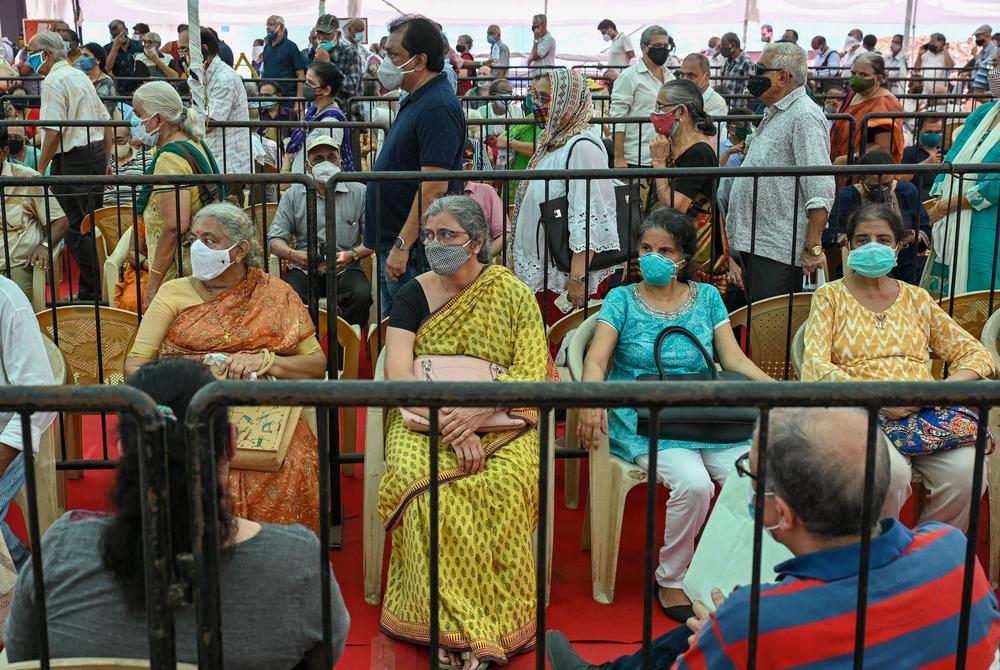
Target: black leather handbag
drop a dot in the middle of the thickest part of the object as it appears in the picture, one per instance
(554, 221)
(715, 425)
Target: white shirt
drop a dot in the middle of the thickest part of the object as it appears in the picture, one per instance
(932, 67)
(500, 54)
(715, 104)
(618, 53)
(634, 94)
(69, 95)
(546, 51)
(167, 60)
(603, 221)
(25, 361)
(227, 101)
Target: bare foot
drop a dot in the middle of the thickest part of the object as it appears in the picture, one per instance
(472, 663)
(449, 659)
(672, 597)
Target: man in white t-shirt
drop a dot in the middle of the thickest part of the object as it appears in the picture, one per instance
(543, 51)
(620, 53)
(499, 52)
(934, 60)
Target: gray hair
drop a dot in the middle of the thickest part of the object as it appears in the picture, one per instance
(153, 37)
(236, 226)
(541, 18)
(820, 472)
(469, 215)
(52, 44)
(159, 97)
(651, 32)
(467, 39)
(687, 94)
(277, 19)
(874, 60)
(790, 58)
(701, 60)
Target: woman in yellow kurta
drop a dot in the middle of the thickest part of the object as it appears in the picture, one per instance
(868, 327)
(489, 482)
(230, 307)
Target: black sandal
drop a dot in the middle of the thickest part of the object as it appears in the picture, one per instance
(679, 613)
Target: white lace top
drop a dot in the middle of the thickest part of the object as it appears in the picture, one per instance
(529, 239)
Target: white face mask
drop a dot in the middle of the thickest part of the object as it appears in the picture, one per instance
(208, 263)
(257, 52)
(391, 75)
(321, 172)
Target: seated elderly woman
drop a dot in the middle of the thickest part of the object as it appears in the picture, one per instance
(464, 307)
(255, 325)
(268, 572)
(630, 320)
(869, 327)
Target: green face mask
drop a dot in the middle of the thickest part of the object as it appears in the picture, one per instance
(860, 84)
(741, 133)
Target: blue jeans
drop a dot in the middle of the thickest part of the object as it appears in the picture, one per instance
(666, 649)
(389, 287)
(10, 483)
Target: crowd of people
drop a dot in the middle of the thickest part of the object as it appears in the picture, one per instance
(468, 273)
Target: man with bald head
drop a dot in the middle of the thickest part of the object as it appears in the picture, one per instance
(814, 493)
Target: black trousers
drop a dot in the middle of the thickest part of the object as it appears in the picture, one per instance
(766, 278)
(354, 293)
(77, 202)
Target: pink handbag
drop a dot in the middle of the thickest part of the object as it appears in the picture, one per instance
(459, 369)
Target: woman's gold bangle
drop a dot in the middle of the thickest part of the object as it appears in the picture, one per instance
(154, 271)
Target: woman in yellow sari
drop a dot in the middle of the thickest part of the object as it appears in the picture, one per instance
(488, 504)
(258, 326)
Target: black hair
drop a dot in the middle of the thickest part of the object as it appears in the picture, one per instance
(209, 43)
(732, 39)
(687, 94)
(100, 55)
(876, 212)
(421, 36)
(681, 228)
(181, 27)
(141, 28)
(170, 383)
(606, 24)
(869, 41)
(794, 32)
(329, 75)
(3, 137)
(273, 84)
(924, 120)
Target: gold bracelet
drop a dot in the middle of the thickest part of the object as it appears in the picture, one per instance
(269, 359)
(154, 271)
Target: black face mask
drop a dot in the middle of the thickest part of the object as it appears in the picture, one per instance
(308, 92)
(18, 104)
(758, 85)
(879, 194)
(980, 41)
(658, 54)
(931, 47)
(726, 52)
(16, 146)
(460, 48)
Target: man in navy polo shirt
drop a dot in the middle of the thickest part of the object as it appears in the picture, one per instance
(282, 58)
(427, 135)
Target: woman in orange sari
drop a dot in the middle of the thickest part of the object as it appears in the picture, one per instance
(252, 325)
(869, 94)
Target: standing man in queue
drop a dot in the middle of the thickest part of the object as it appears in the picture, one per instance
(427, 135)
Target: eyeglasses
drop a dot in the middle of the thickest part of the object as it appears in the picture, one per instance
(743, 467)
(444, 236)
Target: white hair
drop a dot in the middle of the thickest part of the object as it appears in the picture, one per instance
(52, 44)
(236, 226)
(153, 37)
(790, 58)
(159, 97)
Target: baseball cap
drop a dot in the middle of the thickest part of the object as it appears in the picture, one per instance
(985, 28)
(322, 140)
(327, 23)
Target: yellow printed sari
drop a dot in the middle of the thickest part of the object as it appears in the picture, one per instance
(260, 312)
(487, 520)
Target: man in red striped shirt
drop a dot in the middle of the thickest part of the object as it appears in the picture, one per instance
(814, 492)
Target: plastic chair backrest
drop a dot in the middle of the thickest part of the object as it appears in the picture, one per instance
(990, 337)
(56, 360)
(799, 349)
(350, 341)
(769, 335)
(971, 311)
(578, 346)
(557, 331)
(81, 347)
(375, 337)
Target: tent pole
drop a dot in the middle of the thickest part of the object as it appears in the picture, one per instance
(746, 21)
(196, 70)
(907, 34)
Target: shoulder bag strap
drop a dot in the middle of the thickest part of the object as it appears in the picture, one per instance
(680, 330)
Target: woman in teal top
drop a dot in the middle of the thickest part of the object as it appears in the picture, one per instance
(630, 320)
(967, 209)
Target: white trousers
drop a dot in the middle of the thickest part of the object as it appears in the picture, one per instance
(690, 474)
(947, 478)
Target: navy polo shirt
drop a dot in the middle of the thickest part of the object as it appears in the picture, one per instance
(281, 61)
(429, 131)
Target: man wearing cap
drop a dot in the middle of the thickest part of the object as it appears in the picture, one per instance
(282, 58)
(987, 51)
(354, 295)
(331, 48)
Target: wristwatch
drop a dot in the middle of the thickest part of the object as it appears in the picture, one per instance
(579, 279)
(816, 250)
(401, 244)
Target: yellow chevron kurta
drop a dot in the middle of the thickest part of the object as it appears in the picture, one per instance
(843, 341)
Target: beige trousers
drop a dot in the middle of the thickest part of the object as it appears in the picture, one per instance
(947, 478)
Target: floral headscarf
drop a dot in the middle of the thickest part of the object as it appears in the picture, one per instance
(569, 115)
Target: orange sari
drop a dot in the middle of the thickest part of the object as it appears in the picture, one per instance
(840, 133)
(258, 313)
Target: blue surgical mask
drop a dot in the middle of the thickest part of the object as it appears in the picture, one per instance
(326, 46)
(86, 63)
(139, 132)
(67, 45)
(931, 139)
(752, 511)
(872, 260)
(267, 105)
(528, 105)
(657, 270)
(271, 36)
(35, 61)
(359, 38)
(492, 39)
